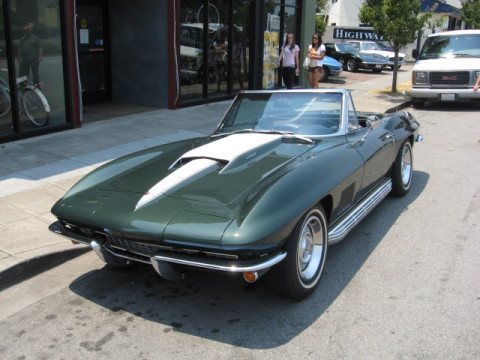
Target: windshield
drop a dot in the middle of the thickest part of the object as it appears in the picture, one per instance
(347, 47)
(445, 46)
(295, 113)
(384, 47)
(371, 46)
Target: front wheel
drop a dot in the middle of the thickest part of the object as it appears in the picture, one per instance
(352, 65)
(298, 275)
(34, 108)
(402, 170)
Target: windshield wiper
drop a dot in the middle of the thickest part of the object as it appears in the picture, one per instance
(465, 55)
(280, 132)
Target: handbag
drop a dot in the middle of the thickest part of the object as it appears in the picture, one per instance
(306, 63)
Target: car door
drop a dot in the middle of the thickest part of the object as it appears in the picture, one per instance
(377, 148)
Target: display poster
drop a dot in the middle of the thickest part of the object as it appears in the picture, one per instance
(270, 51)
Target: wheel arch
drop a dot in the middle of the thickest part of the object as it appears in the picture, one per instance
(327, 204)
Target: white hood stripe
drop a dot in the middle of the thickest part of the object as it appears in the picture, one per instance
(231, 147)
(178, 176)
(223, 150)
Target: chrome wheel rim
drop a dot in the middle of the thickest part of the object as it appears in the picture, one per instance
(350, 65)
(406, 170)
(310, 248)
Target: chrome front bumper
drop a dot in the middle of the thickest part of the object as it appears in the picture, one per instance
(435, 93)
(217, 264)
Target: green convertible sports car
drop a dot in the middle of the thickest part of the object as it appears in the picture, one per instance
(285, 174)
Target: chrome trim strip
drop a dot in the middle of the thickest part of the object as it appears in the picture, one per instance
(218, 265)
(59, 229)
(207, 263)
(341, 230)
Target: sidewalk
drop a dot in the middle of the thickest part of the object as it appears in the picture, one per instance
(36, 172)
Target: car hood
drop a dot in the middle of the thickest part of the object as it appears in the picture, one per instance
(215, 171)
(371, 57)
(388, 54)
(184, 191)
(450, 64)
(329, 61)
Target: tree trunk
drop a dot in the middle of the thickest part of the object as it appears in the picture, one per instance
(395, 70)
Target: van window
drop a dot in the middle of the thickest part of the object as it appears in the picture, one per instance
(444, 46)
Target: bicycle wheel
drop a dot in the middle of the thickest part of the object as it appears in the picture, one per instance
(34, 109)
(5, 104)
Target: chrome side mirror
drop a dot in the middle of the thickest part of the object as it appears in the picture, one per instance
(373, 122)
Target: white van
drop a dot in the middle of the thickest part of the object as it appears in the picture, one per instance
(447, 67)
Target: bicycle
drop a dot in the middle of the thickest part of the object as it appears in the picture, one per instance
(31, 100)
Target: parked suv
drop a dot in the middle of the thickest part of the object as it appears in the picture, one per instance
(373, 47)
(447, 67)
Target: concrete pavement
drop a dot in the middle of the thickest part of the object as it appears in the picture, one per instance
(36, 172)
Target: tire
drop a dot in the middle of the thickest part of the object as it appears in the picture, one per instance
(352, 65)
(5, 104)
(298, 275)
(377, 70)
(325, 74)
(110, 259)
(402, 170)
(34, 109)
(418, 104)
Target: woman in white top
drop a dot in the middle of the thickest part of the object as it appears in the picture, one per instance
(290, 65)
(316, 53)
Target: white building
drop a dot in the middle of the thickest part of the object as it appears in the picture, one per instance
(343, 23)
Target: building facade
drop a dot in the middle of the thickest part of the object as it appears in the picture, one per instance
(57, 55)
(343, 23)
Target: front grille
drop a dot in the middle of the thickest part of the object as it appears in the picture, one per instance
(450, 78)
(133, 246)
(150, 250)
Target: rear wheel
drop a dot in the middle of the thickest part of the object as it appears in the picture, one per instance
(418, 104)
(34, 108)
(325, 74)
(352, 65)
(298, 275)
(402, 170)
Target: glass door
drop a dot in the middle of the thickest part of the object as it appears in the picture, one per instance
(93, 55)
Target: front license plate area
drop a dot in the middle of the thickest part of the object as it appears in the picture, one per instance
(447, 97)
(378, 66)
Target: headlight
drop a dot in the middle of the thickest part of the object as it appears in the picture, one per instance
(420, 77)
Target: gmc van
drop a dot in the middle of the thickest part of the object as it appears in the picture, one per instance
(447, 67)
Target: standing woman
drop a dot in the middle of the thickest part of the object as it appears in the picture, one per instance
(290, 65)
(316, 53)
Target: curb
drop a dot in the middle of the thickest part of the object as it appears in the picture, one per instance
(399, 107)
(32, 267)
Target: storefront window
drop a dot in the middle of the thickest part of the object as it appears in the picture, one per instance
(218, 46)
(241, 44)
(6, 125)
(37, 43)
(191, 61)
(280, 18)
(214, 48)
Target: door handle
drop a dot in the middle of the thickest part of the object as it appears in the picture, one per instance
(389, 136)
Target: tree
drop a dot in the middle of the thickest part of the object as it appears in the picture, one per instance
(321, 17)
(398, 21)
(471, 13)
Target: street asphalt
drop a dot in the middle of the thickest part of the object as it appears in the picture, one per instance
(36, 172)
